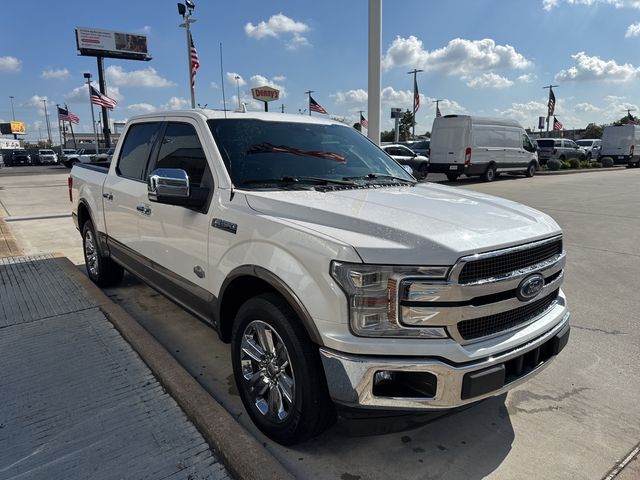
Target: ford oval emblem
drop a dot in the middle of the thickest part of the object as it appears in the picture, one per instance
(530, 287)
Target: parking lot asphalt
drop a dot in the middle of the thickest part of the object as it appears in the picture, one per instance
(577, 419)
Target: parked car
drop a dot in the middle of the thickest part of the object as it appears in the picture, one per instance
(103, 156)
(421, 147)
(1, 160)
(405, 156)
(340, 281)
(46, 156)
(559, 149)
(20, 157)
(591, 147)
(486, 147)
(622, 144)
(80, 156)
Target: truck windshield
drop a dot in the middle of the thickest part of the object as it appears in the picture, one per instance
(259, 154)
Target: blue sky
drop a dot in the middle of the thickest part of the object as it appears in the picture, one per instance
(486, 57)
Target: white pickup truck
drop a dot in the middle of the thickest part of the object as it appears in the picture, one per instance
(340, 281)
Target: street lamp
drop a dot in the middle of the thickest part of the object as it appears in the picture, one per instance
(237, 77)
(13, 113)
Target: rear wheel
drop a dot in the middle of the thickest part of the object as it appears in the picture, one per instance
(278, 371)
(489, 174)
(531, 170)
(423, 171)
(103, 271)
(452, 177)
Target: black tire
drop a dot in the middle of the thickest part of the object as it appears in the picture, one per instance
(452, 177)
(489, 174)
(103, 271)
(562, 158)
(297, 391)
(531, 170)
(423, 171)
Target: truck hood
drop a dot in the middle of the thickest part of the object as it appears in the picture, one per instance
(427, 224)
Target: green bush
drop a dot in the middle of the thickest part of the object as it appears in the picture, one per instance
(585, 164)
(607, 162)
(574, 163)
(596, 165)
(553, 164)
(565, 165)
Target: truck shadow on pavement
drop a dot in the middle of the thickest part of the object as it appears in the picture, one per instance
(467, 444)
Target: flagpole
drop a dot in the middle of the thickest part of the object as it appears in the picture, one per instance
(73, 135)
(93, 117)
(186, 14)
(415, 94)
(309, 92)
(59, 127)
(550, 87)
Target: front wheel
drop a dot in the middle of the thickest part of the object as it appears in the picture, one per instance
(423, 171)
(103, 271)
(278, 371)
(531, 170)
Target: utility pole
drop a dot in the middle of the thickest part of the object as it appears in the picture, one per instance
(416, 101)
(186, 14)
(237, 77)
(282, 108)
(373, 83)
(309, 92)
(93, 118)
(46, 117)
(13, 114)
(554, 105)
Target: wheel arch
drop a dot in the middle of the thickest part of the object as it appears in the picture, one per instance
(248, 281)
(85, 213)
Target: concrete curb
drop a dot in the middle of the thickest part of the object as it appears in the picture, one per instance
(8, 245)
(582, 170)
(241, 453)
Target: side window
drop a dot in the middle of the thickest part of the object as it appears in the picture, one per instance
(557, 143)
(136, 150)
(181, 148)
(526, 143)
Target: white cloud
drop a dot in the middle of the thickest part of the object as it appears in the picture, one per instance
(551, 4)
(59, 74)
(527, 78)
(10, 64)
(633, 30)
(279, 78)
(214, 85)
(488, 80)
(279, 26)
(147, 77)
(81, 94)
(527, 113)
(586, 107)
(141, 108)
(594, 68)
(459, 57)
(357, 97)
(261, 81)
(37, 102)
(176, 103)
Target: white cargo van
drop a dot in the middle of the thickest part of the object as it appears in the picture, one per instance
(462, 144)
(622, 144)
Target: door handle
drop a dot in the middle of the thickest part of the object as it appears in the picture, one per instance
(143, 209)
(107, 195)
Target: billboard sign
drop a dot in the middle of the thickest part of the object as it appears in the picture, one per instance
(541, 123)
(396, 113)
(18, 128)
(265, 94)
(95, 42)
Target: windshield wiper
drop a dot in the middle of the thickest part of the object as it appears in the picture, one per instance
(380, 176)
(297, 180)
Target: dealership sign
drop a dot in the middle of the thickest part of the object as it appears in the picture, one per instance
(13, 128)
(95, 42)
(265, 94)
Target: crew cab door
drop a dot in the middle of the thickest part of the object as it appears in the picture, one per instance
(175, 238)
(125, 188)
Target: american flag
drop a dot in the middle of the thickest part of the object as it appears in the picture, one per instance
(416, 96)
(98, 98)
(363, 121)
(552, 102)
(438, 114)
(315, 106)
(66, 116)
(556, 124)
(195, 62)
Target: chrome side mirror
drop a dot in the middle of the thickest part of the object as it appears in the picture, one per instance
(166, 184)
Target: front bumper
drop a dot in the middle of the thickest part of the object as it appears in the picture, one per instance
(458, 168)
(351, 377)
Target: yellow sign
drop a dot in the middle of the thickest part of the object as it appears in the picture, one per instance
(18, 127)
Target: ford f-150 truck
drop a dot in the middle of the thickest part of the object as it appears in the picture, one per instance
(340, 281)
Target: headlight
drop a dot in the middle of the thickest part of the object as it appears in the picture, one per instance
(372, 294)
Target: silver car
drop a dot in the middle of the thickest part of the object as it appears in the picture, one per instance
(559, 149)
(592, 146)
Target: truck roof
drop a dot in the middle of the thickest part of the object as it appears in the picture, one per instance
(477, 120)
(207, 114)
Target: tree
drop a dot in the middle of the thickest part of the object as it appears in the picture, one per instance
(387, 136)
(357, 126)
(406, 123)
(593, 131)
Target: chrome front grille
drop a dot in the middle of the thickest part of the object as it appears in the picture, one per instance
(499, 322)
(511, 261)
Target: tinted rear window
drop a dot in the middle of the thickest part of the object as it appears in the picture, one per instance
(136, 150)
(545, 143)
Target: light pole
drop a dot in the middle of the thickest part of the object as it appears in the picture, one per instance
(416, 100)
(186, 10)
(93, 118)
(46, 117)
(237, 77)
(375, 52)
(13, 113)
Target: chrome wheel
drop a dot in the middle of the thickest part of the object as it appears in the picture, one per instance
(267, 371)
(90, 253)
